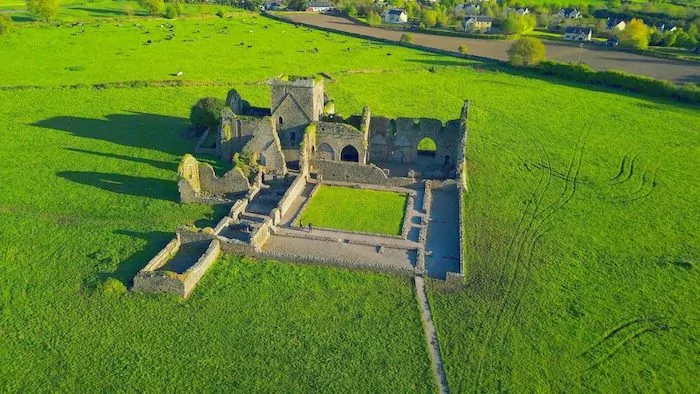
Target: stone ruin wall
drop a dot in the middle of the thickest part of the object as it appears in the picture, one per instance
(199, 184)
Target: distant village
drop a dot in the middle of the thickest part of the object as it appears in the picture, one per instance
(489, 17)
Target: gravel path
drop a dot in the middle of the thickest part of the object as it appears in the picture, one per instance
(600, 58)
(431, 336)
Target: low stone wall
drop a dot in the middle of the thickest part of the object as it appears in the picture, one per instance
(315, 260)
(238, 208)
(340, 171)
(406, 225)
(164, 255)
(293, 191)
(201, 149)
(195, 272)
(335, 230)
(384, 188)
(460, 275)
(423, 233)
(308, 200)
(261, 234)
(339, 238)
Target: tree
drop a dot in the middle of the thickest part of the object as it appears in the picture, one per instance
(635, 35)
(154, 7)
(350, 10)
(44, 9)
(171, 12)
(5, 24)
(527, 51)
(207, 112)
(373, 18)
(429, 18)
(296, 5)
(463, 49)
(407, 38)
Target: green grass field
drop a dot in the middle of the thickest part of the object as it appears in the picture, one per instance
(346, 208)
(581, 220)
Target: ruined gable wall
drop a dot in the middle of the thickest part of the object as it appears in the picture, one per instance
(397, 139)
(340, 135)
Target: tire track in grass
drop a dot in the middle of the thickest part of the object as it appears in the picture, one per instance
(530, 237)
(537, 197)
(616, 338)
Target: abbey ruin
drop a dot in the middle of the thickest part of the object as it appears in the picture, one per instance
(283, 154)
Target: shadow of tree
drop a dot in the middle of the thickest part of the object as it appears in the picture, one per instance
(125, 184)
(126, 269)
(171, 166)
(211, 220)
(150, 131)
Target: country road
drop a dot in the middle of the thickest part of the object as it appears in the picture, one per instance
(599, 58)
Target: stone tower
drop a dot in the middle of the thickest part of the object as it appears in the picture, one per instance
(295, 102)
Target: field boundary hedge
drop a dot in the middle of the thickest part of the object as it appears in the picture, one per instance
(122, 85)
(618, 79)
(573, 72)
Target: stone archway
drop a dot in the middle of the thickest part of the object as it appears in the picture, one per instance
(325, 152)
(349, 153)
(426, 147)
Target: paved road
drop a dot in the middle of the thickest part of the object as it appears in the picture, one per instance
(597, 57)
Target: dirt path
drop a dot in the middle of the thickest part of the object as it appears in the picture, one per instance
(597, 57)
(431, 336)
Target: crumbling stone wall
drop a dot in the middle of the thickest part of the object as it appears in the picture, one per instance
(337, 136)
(152, 279)
(199, 184)
(397, 139)
(357, 173)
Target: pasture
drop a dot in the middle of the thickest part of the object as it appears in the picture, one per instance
(581, 220)
(346, 208)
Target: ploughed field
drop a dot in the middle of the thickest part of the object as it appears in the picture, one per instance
(346, 208)
(581, 226)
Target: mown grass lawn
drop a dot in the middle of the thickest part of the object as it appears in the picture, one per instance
(581, 227)
(347, 208)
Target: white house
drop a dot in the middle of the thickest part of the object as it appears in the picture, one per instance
(319, 6)
(480, 24)
(615, 24)
(394, 15)
(569, 13)
(573, 33)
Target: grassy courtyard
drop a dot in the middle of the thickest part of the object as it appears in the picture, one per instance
(581, 225)
(346, 208)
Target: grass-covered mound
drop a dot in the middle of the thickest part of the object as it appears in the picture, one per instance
(347, 208)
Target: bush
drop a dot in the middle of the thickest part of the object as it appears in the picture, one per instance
(129, 10)
(220, 13)
(463, 49)
(583, 73)
(171, 12)
(5, 24)
(207, 112)
(407, 38)
(636, 35)
(350, 10)
(527, 51)
(154, 7)
(113, 286)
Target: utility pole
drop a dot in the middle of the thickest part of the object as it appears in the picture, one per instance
(580, 49)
